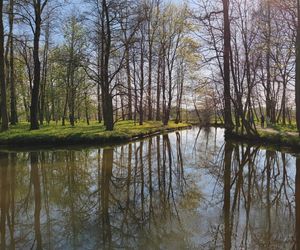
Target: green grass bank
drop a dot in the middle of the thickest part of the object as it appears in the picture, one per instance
(276, 137)
(52, 135)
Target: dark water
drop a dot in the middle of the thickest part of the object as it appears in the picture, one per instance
(186, 190)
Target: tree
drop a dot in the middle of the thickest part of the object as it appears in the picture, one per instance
(112, 51)
(4, 115)
(74, 48)
(38, 10)
(45, 69)
(152, 22)
(298, 68)
(13, 101)
(107, 102)
(268, 66)
(227, 47)
(32, 15)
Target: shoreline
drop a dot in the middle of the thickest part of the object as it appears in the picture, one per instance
(274, 141)
(42, 140)
(34, 139)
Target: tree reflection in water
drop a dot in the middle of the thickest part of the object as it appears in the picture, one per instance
(297, 199)
(185, 190)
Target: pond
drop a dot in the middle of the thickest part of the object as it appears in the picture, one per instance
(184, 190)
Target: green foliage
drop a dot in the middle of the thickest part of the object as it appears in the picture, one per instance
(20, 135)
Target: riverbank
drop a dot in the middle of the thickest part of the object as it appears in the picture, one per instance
(270, 137)
(57, 135)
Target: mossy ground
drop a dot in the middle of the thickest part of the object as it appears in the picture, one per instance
(53, 134)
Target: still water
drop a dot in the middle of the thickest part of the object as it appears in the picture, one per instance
(185, 190)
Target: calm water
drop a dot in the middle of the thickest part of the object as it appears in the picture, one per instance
(186, 190)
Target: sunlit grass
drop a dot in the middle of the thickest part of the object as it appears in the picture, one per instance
(81, 132)
(275, 135)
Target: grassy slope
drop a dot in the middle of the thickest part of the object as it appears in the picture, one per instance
(20, 135)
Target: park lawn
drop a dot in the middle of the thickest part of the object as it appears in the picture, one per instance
(53, 134)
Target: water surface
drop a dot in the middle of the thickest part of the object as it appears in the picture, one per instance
(185, 190)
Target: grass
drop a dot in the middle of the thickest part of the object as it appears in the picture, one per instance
(280, 138)
(277, 136)
(20, 135)
(285, 128)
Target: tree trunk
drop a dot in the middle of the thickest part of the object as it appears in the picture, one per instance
(128, 83)
(99, 108)
(163, 84)
(227, 97)
(34, 124)
(141, 110)
(150, 117)
(179, 94)
(65, 108)
(158, 88)
(168, 107)
(44, 76)
(71, 77)
(4, 115)
(135, 90)
(284, 104)
(122, 107)
(107, 102)
(268, 58)
(13, 101)
(298, 69)
(87, 117)
(72, 99)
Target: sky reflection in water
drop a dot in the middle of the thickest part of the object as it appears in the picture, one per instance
(186, 190)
